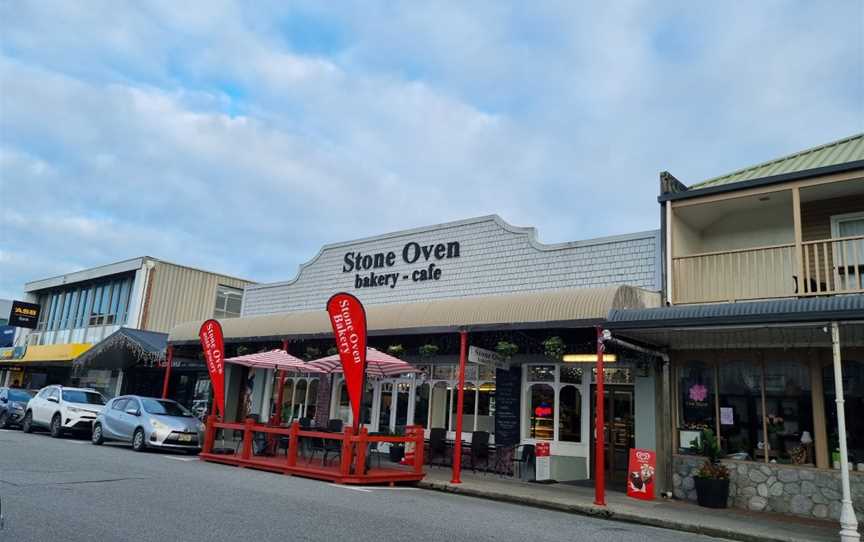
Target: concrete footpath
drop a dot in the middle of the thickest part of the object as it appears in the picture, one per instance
(730, 523)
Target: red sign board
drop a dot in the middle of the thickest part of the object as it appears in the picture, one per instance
(213, 345)
(640, 474)
(348, 318)
(541, 449)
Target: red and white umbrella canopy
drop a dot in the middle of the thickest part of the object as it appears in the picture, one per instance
(377, 364)
(274, 359)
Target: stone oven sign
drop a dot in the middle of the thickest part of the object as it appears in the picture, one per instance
(373, 270)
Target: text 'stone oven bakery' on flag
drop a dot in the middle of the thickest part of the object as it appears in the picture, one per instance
(214, 355)
(348, 318)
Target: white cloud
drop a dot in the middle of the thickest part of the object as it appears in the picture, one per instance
(151, 128)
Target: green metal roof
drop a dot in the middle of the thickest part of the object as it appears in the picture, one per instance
(849, 149)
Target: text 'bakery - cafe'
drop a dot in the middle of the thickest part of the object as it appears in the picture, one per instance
(521, 315)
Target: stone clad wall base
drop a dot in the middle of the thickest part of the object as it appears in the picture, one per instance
(785, 489)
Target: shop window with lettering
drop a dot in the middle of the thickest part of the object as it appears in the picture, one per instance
(569, 414)
(696, 389)
(541, 413)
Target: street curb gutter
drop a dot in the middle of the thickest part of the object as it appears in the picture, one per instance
(606, 513)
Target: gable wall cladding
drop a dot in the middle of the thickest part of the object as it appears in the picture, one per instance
(494, 258)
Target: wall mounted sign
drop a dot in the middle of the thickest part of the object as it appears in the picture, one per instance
(24, 314)
(7, 336)
(486, 357)
(372, 270)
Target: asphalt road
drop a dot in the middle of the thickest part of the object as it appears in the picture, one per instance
(69, 490)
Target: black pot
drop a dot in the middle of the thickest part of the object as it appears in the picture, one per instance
(712, 493)
(397, 452)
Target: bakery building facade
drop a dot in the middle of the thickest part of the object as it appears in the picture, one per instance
(534, 306)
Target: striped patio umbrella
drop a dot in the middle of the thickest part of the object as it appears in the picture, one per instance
(274, 359)
(377, 364)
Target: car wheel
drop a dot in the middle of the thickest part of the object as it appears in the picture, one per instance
(96, 435)
(56, 427)
(27, 424)
(138, 443)
(4, 420)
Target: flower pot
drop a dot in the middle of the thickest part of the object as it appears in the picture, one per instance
(712, 493)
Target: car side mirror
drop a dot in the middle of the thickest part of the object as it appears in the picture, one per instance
(53, 399)
(133, 411)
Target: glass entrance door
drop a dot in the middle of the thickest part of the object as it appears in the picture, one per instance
(618, 429)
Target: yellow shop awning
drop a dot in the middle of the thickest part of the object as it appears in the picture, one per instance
(53, 352)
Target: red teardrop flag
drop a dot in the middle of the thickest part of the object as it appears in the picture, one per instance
(213, 344)
(348, 318)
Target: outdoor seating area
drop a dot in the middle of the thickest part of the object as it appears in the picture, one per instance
(331, 454)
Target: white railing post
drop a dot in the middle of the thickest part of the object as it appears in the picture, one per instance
(848, 521)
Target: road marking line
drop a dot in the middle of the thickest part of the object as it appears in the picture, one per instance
(175, 458)
(352, 488)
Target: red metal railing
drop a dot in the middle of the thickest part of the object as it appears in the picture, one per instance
(354, 448)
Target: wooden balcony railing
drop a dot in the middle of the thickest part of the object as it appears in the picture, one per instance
(830, 266)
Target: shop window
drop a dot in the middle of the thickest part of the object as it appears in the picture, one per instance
(789, 407)
(571, 375)
(486, 407)
(312, 401)
(368, 398)
(542, 411)
(421, 405)
(697, 395)
(299, 400)
(741, 397)
(569, 414)
(541, 373)
(440, 405)
(444, 372)
(386, 406)
(287, 399)
(853, 393)
(344, 408)
(403, 391)
(469, 402)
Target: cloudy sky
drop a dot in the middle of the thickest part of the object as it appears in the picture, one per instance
(241, 136)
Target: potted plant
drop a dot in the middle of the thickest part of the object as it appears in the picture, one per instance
(332, 351)
(553, 348)
(428, 350)
(712, 480)
(312, 353)
(506, 349)
(395, 350)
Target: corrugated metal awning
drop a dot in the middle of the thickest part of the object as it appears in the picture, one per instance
(566, 308)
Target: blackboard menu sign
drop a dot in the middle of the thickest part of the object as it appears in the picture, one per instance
(508, 392)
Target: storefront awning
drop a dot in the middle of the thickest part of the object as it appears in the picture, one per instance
(123, 349)
(48, 353)
(556, 308)
(758, 324)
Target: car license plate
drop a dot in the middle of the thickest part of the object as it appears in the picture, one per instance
(185, 438)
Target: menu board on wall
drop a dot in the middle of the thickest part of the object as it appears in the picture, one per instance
(508, 388)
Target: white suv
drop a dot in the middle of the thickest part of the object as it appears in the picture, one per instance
(61, 409)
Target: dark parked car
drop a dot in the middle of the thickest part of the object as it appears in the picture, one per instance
(13, 403)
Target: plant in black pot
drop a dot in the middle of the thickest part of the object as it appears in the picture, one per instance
(712, 479)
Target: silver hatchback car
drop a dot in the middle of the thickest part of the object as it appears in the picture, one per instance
(148, 422)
